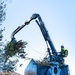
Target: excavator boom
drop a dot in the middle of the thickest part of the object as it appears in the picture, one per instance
(56, 62)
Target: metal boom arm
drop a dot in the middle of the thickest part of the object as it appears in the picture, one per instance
(44, 31)
(42, 28)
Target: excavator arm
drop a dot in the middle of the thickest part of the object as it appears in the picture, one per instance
(42, 27)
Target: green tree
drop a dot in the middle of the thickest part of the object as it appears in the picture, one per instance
(9, 52)
(12, 53)
(2, 18)
(2, 11)
(1, 50)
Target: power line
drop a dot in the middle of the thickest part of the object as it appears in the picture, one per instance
(35, 50)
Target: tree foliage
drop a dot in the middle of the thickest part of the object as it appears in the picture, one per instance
(12, 53)
(1, 50)
(2, 11)
(9, 52)
(2, 18)
(15, 49)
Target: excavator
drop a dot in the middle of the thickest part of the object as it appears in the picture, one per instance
(56, 64)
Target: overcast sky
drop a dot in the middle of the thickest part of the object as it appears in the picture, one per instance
(59, 19)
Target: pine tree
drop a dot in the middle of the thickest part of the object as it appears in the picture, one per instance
(11, 52)
(2, 18)
(2, 11)
(1, 50)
